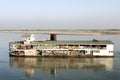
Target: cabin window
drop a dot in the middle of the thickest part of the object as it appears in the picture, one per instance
(102, 46)
(99, 46)
(110, 51)
(76, 46)
(82, 51)
(96, 51)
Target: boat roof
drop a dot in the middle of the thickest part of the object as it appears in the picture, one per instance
(90, 42)
(87, 42)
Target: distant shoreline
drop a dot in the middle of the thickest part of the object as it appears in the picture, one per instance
(66, 31)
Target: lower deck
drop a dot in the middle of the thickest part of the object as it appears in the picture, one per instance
(61, 53)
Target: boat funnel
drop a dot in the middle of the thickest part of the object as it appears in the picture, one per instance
(53, 37)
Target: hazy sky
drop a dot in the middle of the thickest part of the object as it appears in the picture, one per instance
(59, 14)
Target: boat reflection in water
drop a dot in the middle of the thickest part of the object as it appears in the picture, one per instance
(29, 65)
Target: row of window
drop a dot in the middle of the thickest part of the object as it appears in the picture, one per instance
(71, 47)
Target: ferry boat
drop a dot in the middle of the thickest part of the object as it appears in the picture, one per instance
(29, 46)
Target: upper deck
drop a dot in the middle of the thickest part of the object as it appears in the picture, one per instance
(87, 42)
